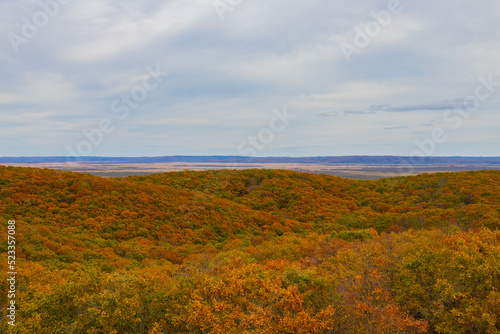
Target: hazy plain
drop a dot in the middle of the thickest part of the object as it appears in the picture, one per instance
(352, 171)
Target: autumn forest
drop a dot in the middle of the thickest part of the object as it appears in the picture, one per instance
(252, 251)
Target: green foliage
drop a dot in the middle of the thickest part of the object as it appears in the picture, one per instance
(361, 235)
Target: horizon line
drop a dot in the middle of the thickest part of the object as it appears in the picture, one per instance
(250, 157)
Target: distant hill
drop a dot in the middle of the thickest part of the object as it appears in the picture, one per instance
(363, 160)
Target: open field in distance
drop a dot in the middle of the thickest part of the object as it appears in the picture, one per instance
(352, 171)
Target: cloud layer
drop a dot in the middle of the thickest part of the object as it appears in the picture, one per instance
(408, 71)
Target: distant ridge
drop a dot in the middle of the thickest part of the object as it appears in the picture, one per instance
(362, 160)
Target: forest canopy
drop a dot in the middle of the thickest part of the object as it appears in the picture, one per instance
(253, 251)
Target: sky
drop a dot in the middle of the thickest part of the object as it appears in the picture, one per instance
(249, 77)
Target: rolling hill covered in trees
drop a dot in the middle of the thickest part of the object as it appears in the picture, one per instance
(253, 251)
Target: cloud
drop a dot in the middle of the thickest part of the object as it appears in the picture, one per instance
(323, 114)
(395, 127)
(411, 108)
(39, 87)
(354, 112)
(112, 29)
(227, 76)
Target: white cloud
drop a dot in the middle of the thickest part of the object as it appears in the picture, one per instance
(359, 93)
(39, 88)
(7, 98)
(48, 87)
(109, 30)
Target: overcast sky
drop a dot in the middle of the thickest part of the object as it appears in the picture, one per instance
(250, 77)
